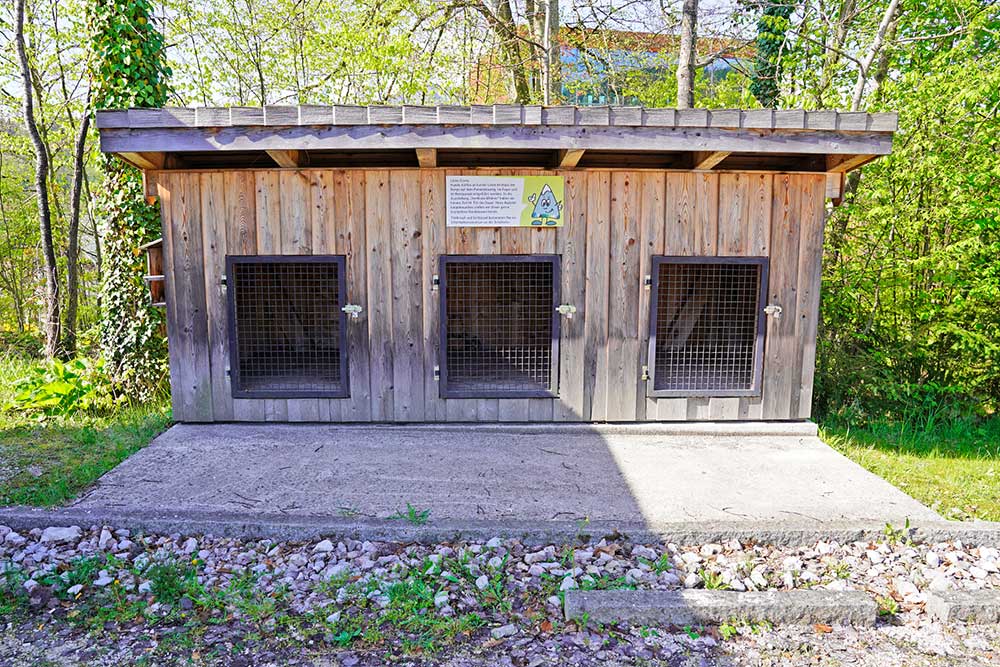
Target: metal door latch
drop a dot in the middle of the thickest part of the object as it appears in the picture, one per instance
(645, 373)
(773, 310)
(647, 282)
(352, 309)
(567, 310)
(437, 373)
(435, 282)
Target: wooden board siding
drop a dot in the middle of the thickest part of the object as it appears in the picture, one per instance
(390, 225)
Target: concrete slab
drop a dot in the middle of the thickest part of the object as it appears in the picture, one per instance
(526, 474)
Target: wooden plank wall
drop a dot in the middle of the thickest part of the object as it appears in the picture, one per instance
(390, 224)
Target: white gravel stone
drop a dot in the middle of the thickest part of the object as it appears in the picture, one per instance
(190, 545)
(711, 549)
(692, 580)
(568, 584)
(61, 534)
(482, 582)
(494, 543)
(74, 589)
(325, 546)
(503, 631)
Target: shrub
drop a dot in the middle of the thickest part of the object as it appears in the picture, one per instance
(63, 388)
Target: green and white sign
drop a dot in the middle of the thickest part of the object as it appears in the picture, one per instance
(505, 201)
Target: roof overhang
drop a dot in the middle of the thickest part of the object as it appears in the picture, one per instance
(495, 136)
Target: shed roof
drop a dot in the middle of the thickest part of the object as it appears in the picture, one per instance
(496, 135)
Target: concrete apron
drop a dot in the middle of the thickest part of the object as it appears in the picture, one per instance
(516, 480)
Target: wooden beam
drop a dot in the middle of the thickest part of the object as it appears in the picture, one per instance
(288, 159)
(568, 159)
(144, 159)
(427, 157)
(708, 159)
(841, 164)
(505, 137)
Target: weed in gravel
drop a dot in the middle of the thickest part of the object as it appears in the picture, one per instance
(660, 565)
(887, 606)
(712, 580)
(171, 580)
(412, 515)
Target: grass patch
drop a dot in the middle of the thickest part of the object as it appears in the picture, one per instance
(46, 462)
(953, 467)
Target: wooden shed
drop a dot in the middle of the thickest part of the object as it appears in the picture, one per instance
(492, 263)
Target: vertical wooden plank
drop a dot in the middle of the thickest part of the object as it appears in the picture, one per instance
(706, 214)
(432, 198)
(596, 307)
(296, 239)
(758, 211)
(407, 297)
(241, 239)
(167, 188)
(213, 226)
(682, 218)
(323, 241)
(543, 242)
(571, 244)
(349, 221)
(812, 220)
(781, 345)
(188, 265)
(378, 208)
(268, 202)
(652, 205)
(623, 305)
(733, 204)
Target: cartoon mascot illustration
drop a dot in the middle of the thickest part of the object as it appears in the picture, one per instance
(547, 210)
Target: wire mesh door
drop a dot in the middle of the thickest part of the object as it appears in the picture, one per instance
(707, 326)
(286, 327)
(499, 325)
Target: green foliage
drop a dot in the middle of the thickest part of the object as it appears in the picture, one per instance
(771, 29)
(129, 63)
(910, 324)
(129, 70)
(171, 580)
(62, 388)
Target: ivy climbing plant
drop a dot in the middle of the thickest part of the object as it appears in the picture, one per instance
(772, 27)
(129, 69)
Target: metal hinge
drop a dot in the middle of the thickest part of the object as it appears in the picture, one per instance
(223, 280)
(437, 373)
(647, 282)
(645, 372)
(353, 310)
(435, 282)
(566, 309)
(773, 310)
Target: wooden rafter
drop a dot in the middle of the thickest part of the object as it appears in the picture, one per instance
(568, 159)
(427, 157)
(708, 159)
(288, 159)
(844, 163)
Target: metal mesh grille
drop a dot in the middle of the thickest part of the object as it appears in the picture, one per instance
(706, 327)
(288, 327)
(498, 326)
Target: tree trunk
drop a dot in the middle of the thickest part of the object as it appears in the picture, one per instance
(686, 55)
(41, 185)
(552, 61)
(73, 242)
(506, 29)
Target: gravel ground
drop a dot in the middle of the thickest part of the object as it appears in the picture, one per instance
(98, 596)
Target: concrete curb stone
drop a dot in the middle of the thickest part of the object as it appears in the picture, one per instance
(694, 607)
(981, 606)
(306, 528)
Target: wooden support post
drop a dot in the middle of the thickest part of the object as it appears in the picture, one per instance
(568, 159)
(708, 159)
(287, 158)
(845, 163)
(144, 160)
(427, 157)
(835, 187)
(149, 186)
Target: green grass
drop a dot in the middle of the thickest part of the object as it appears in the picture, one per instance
(952, 467)
(48, 462)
